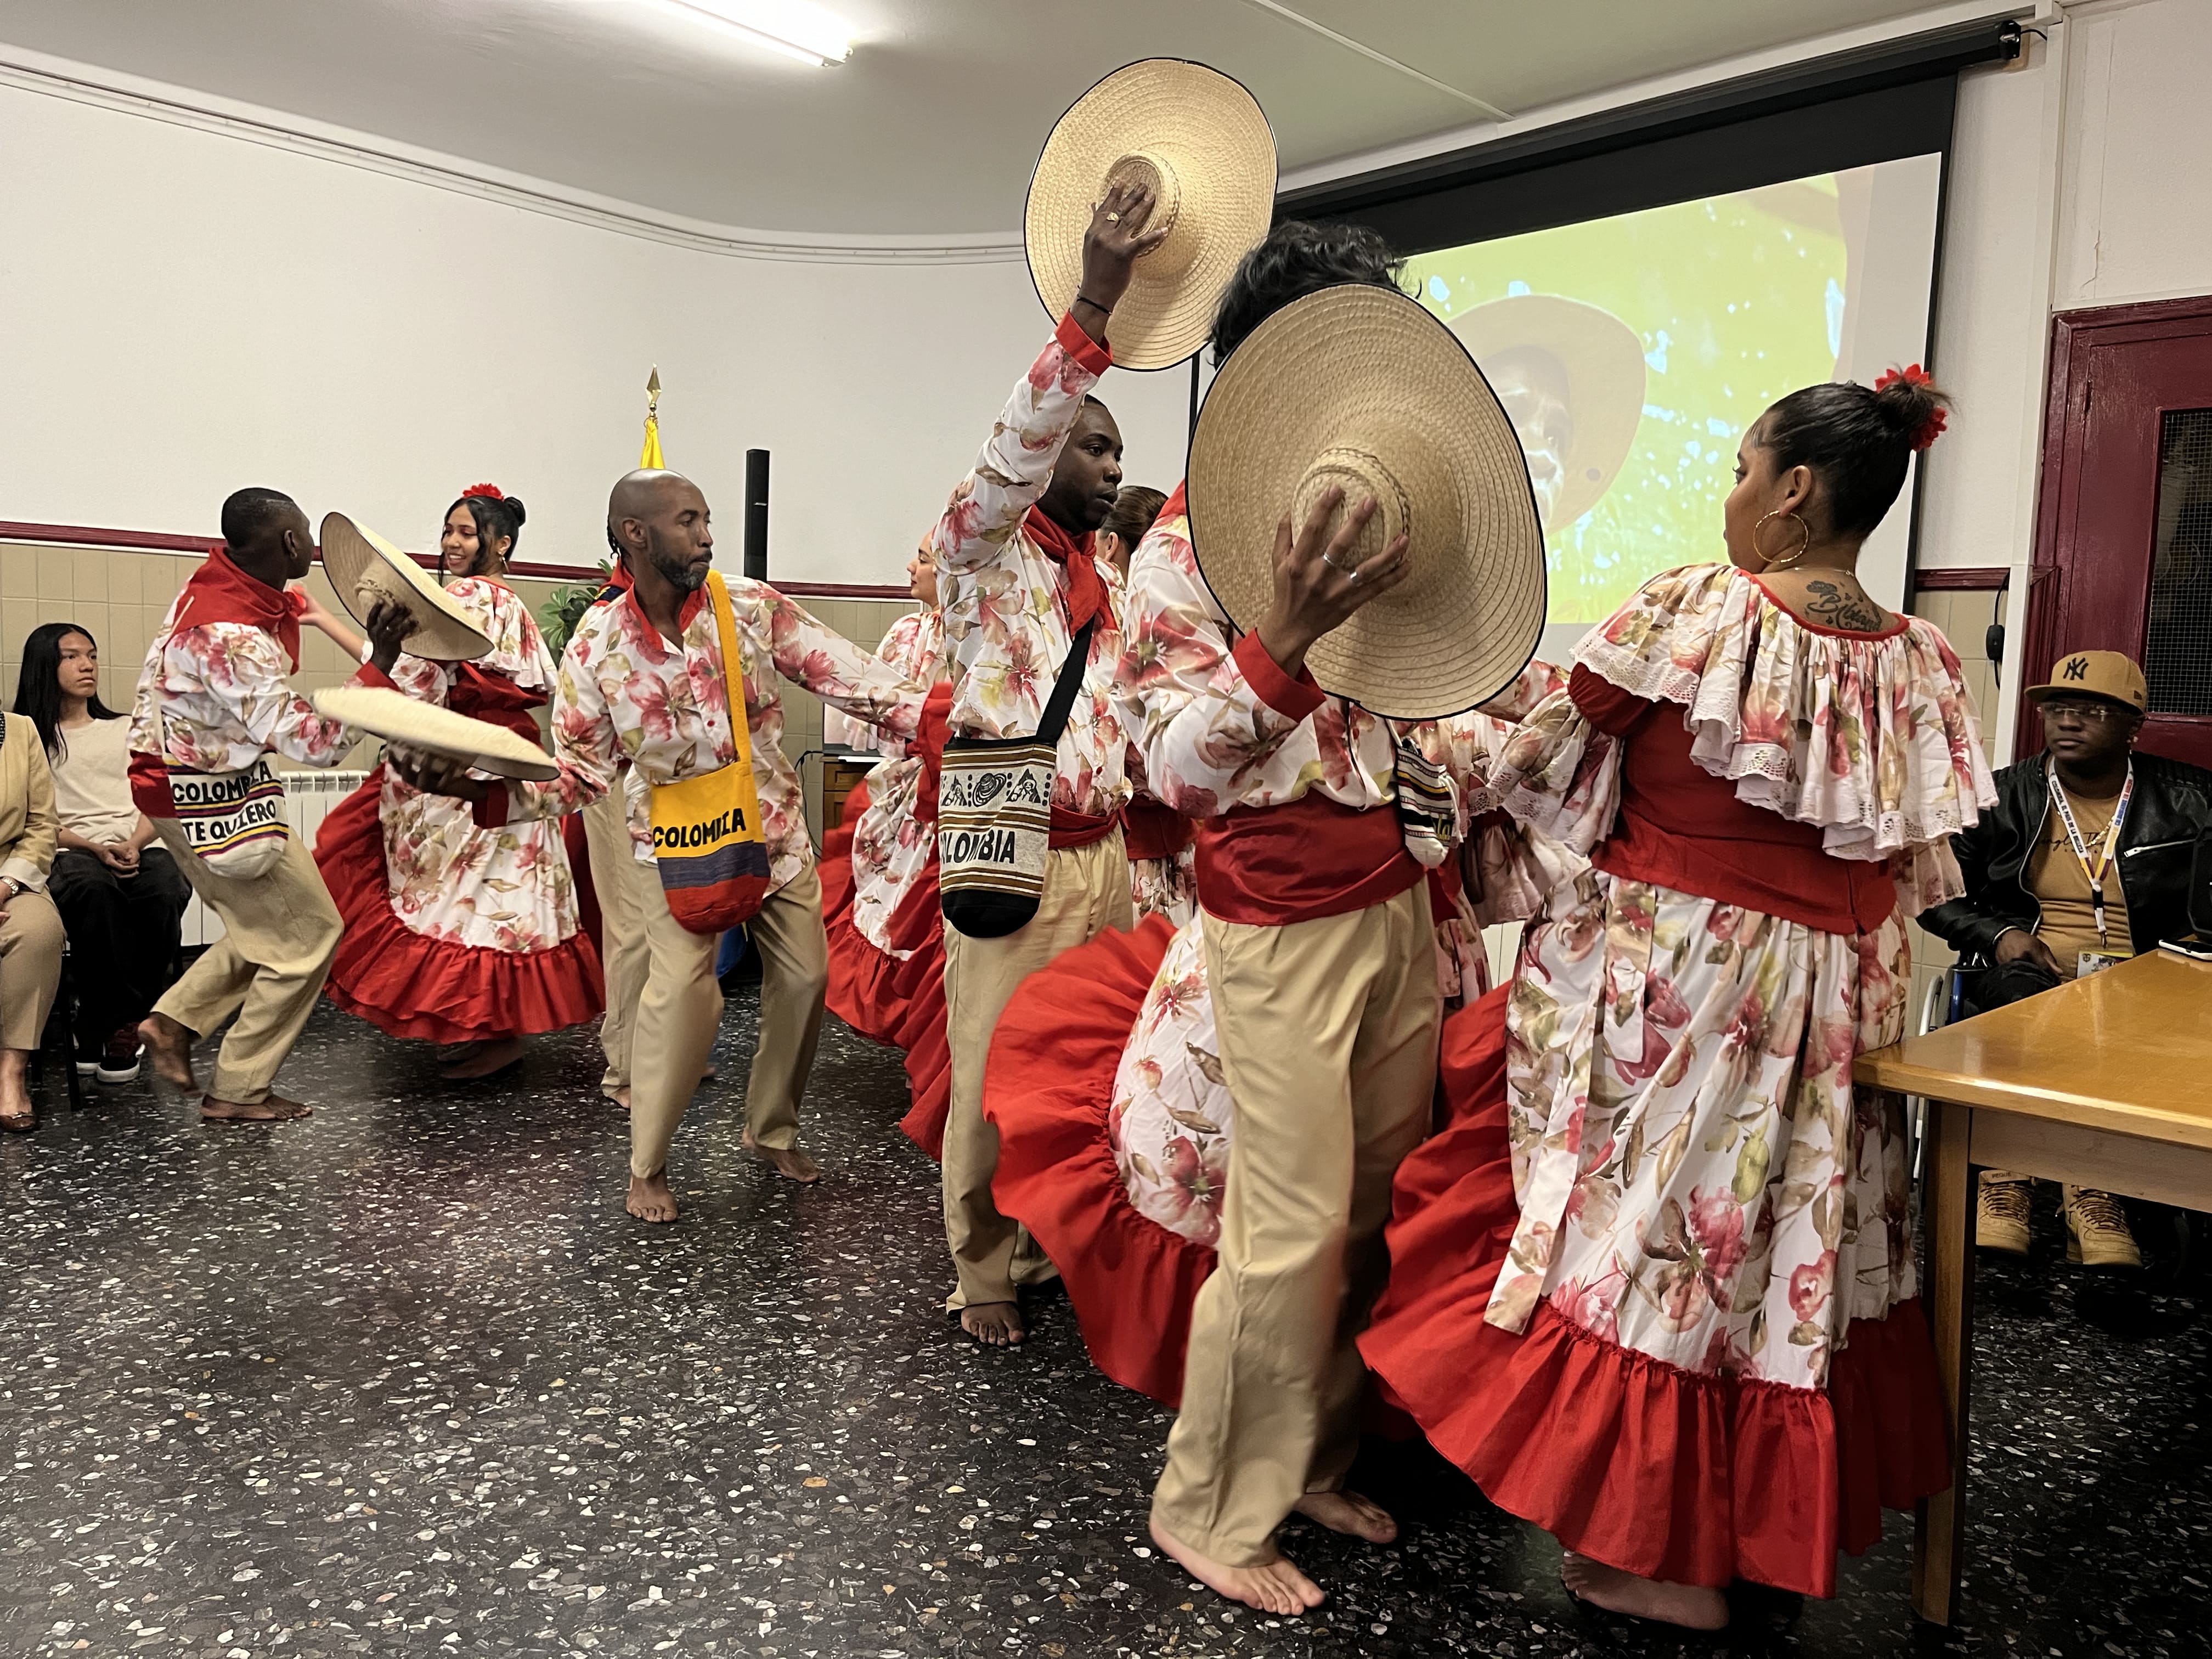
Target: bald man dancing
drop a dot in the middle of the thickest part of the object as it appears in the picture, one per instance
(643, 680)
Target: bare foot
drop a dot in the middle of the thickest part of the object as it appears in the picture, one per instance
(1275, 1586)
(787, 1161)
(994, 1324)
(453, 1053)
(1349, 1512)
(483, 1059)
(650, 1198)
(620, 1096)
(171, 1046)
(1691, 1606)
(270, 1109)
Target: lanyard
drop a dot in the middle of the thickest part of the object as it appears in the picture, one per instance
(2094, 873)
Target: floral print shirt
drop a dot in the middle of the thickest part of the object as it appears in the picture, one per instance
(223, 701)
(508, 889)
(625, 694)
(1005, 601)
(1221, 726)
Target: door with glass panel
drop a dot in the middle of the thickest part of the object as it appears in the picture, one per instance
(2123, 534)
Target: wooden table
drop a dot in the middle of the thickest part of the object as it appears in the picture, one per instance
(2105, 1083)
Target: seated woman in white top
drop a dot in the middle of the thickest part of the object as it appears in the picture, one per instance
(122, 900)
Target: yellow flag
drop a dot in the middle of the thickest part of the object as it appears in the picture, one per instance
(652, 458)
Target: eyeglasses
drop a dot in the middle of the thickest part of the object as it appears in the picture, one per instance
(2086, 713)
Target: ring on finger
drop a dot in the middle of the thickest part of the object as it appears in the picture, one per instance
(1350, 570)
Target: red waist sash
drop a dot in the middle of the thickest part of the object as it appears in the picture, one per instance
(1155, 829)
(1312, 857)
(1072, 829)
(498, 700)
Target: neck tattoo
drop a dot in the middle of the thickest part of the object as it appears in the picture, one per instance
(1832, 607)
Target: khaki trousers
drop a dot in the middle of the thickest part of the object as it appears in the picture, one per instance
(680, 1009)
(1086, 891)
(1329, 1042)
(280, 931)
(622, 943)
(30, 969)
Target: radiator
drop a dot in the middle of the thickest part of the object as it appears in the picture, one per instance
(308, 797)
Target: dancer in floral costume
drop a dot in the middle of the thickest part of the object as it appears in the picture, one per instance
(1114, 1114)
(879, 901)
(464, 937)
(1653, 1286)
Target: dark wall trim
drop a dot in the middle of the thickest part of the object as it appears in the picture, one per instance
(1963, 579)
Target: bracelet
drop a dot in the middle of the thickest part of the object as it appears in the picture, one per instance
(1085, 299)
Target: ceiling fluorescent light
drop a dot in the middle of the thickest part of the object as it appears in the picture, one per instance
(789, 27)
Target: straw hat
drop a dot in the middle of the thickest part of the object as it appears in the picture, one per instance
(364, 568)
(397, 718)
(1360, 387)
(1601, 362)
(1201, 141)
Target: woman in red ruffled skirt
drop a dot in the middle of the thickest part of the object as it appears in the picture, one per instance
(464, 937)
(1652, 1287)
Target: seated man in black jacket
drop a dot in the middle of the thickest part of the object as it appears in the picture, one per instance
(2084, 860)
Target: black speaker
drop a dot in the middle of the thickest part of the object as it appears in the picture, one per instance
(756, 515)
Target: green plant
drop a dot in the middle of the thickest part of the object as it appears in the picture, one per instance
(564, 608)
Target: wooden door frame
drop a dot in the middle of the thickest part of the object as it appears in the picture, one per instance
(2074, 335)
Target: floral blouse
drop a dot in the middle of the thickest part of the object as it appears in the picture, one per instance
(1005, 601)
(1873, 738)
(518, 649)
(623, 693)
(224, 701)
(1221, 726)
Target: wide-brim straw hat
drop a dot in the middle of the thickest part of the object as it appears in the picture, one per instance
(364, 568)
(1360, 387)
(1203, 145)
(397, 718)
(1602, 360)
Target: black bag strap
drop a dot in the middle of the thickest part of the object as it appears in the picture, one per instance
(1062, 701)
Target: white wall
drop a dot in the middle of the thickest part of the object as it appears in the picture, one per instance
(183, 311)
(2077, 179)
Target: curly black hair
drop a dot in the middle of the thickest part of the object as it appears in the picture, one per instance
(1298, 259)
(1857, 442)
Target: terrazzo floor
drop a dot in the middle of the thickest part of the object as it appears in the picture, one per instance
(403, 1380)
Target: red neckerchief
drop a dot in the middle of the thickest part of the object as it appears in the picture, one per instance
(484, 695)
(1086, 588)
(1175, 506)
(219, 592)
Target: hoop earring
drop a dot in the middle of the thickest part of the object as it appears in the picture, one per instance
(1795, 554)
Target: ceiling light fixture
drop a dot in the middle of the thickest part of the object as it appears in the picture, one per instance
(793, 28)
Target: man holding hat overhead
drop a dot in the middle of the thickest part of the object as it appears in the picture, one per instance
(1147, 191)
(2084, 860)
(1406, 576)
(212, 704)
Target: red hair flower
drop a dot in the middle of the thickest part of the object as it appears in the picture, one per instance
(490, 489)
(1913, 376)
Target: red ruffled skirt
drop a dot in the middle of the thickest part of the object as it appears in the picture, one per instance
(1049, 1087)
(1667, 1473)
(897, 1002)
(408, 985)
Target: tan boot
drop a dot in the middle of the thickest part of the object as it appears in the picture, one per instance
(2097, 1233)
(2001, 1212)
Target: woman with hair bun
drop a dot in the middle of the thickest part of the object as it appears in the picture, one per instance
(1652, 1284)
(467, 937)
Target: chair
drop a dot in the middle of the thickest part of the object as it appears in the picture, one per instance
(1944, 1005)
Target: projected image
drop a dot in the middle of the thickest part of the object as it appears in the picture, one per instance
(1632, 352)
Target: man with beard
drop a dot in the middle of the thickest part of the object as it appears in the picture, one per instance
(643, 680)
(1019, 584)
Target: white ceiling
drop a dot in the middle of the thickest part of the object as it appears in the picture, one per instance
(929, 128)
